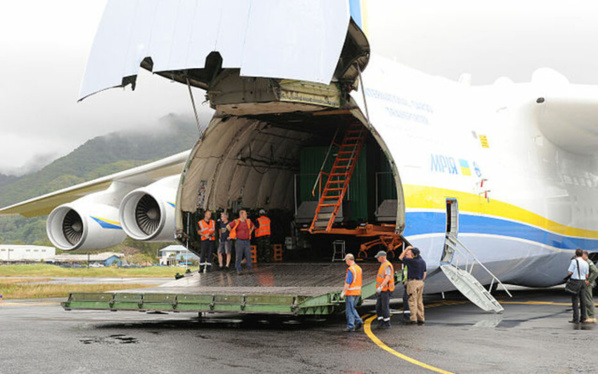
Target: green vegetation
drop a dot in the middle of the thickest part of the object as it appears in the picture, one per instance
(57, 271)
(98, 157)
(25, 289)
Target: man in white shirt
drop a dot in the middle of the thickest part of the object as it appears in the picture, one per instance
(578, 270)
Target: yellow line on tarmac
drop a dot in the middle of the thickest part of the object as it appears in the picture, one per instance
(374, 338)
(533, 303)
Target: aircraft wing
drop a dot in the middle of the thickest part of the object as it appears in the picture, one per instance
(568, 116)
(135, 177)
(300, 39)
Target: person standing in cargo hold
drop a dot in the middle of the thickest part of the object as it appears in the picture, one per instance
(207, 233)
(262, 234)
(225, 244)
(351, 292)
(416, 273)
(385, 285)
(241, 229)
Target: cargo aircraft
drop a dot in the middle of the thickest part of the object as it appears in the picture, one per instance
(498, 181)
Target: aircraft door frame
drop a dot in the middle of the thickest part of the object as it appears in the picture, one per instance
(452, 229)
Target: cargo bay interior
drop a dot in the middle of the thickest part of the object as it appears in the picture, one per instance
(269, 141)
(273, 162)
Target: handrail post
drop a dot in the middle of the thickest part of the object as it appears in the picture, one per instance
(324, 162)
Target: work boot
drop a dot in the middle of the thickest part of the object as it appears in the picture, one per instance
(358, 326)
(349, 329)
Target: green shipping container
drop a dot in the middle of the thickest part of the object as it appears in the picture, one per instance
(311, 159)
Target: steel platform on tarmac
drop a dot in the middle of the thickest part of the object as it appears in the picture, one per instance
(283, 288)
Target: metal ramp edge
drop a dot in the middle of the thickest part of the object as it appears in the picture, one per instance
(327, 303)
(471, 288)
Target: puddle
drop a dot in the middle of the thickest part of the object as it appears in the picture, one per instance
(112, 339)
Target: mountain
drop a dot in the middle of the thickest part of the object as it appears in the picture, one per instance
(5, 179)
(101, 156)
(97, 157)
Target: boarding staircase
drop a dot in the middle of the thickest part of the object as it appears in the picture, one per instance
(464, 280)
(338, 180)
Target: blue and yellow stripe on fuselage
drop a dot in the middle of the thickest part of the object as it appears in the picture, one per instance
(359, 14)
(426, 214)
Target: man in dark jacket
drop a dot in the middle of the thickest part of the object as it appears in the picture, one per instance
(416, 273)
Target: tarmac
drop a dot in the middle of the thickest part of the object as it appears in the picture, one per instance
(532, 335)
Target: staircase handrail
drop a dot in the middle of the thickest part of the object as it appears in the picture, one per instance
(313, 191)
(452, 238)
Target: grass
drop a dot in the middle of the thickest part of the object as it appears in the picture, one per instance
(24, 289)
(109, 272)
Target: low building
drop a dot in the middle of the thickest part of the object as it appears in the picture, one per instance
(101, 259)
(26, 253)
(176, 254)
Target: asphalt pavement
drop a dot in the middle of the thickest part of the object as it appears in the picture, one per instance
(532, 335)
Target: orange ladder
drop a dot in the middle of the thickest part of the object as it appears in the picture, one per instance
(338, 179)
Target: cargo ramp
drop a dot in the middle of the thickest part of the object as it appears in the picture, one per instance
(286, 289)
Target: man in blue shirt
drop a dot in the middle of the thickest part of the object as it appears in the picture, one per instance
(578, 270)
(352, 292)
(416, 273)
(225, 245)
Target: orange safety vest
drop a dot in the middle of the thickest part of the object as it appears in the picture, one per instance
(233, 231)
(355, 286)
(264, 228)
(207, 228)
(380, 277)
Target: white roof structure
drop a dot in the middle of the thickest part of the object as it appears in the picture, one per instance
(100, 257)
(174, 249)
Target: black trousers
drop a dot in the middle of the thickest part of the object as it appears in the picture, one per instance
(383, 307)
(263, 249)
(207, 247)
(578, 301)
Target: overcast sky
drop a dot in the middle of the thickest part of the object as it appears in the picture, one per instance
(44, 47)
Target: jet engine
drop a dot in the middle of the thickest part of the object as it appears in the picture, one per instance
(84, 224)
(148, 213)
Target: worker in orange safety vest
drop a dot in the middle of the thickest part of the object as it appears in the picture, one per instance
(207, 234)
(352, 292)
(262, 234)
(240, 230)
(385, 284)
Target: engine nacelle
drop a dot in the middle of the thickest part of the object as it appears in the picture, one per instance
(84, 224)
(148, 213)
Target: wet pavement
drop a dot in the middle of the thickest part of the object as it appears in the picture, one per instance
(531, 336)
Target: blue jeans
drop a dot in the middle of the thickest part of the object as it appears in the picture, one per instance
(353, 318)
(242, 247)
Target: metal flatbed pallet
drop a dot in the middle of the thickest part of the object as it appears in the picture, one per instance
(287, 288)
